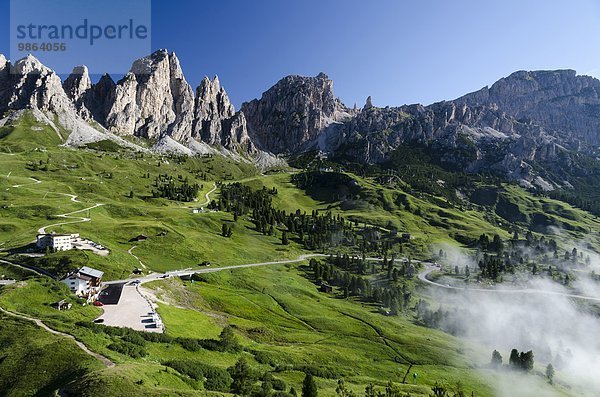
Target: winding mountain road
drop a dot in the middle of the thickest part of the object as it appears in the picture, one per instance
(67, 215)
(42, 230)
(207, 196)
(190, 271)
(430, 268)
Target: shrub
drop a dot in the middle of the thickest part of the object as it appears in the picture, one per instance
(278, 384)
(189, 344)
(264, 358)
(135, 339)
(215, 379)
(129, 349)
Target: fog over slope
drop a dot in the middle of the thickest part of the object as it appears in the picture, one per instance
(559, 330)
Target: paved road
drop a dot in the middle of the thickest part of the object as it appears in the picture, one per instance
(430, 268)
(190, 271)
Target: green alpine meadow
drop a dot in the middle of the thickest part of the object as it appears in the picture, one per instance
(163, 236)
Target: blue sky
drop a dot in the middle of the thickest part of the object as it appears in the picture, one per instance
(396, 51)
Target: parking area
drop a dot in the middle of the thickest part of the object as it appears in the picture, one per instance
(88, 245)
(111, 294)
(131, 309)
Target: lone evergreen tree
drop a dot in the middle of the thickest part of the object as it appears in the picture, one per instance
(527, 360)
(394, 307)
(309, 386)
(496, 359)
(228, 341)
(284, 238)
(514, 359)
(243, 378)
(550, 373)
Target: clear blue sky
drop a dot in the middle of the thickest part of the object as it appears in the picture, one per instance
(397, 51)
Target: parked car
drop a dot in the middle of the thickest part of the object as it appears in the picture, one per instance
(98, 303)
(99, 320)
(205, 263)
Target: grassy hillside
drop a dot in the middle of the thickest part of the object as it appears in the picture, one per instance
(35, 362)
(291, 326)
(285, 326)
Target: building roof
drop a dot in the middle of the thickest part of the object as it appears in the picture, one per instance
(88, 271)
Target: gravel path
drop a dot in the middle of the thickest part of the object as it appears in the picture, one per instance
(40, 324)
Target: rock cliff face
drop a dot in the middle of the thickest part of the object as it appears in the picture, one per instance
(293, 113)
(215, 119)
(31, 84)
(78, 87)
(28, 84)
(560, 101)
(524, 118)
(152, 99)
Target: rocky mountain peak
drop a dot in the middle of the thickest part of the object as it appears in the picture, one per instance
(564, 103)
(215, 119)
(30, 65)
(78, 88)
(3, 61)
(32, 84)
(212, 100)
(293, 112)
(152, 99)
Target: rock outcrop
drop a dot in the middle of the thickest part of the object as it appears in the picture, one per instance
(78, 87)
(32, 86)
(215, 119)
(524, 118)
(293, 113)
(152, 99)
(562, 102)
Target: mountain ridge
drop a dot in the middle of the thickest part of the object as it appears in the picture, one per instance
(522, 119)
